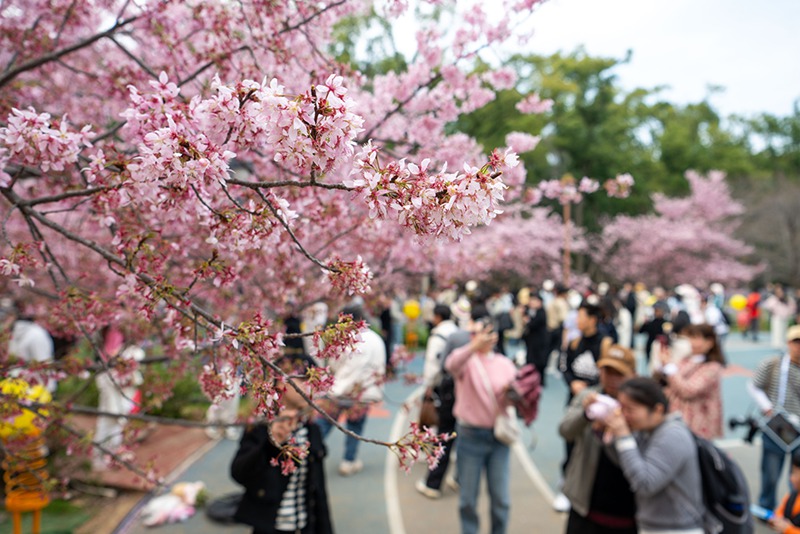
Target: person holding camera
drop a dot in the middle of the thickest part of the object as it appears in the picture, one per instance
(775, 387)
(275, 502)
(482, 378)
(601, 498)
(658, 455)
(694, 383)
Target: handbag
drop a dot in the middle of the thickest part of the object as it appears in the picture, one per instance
(506, 428)
(429, 409)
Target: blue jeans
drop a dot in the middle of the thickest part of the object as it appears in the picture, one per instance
(772, 458)
(478, 450)
(354, 425)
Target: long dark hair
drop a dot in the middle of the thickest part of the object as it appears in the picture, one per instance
(706, 331)
(645, 391)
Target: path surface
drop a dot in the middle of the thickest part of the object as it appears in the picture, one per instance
(382, 499)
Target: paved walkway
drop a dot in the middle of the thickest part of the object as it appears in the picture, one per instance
(382, 499)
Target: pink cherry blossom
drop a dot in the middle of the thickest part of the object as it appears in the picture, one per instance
(533, 104)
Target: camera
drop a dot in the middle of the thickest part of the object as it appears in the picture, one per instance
(601, 408)
(749, 422)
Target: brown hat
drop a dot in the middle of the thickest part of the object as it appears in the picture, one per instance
(618, 358)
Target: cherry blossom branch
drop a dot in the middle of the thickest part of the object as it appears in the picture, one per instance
(287, 183)
(288, 229)
(303, 22)
(135, 59)
(66, 195)
(64, 23)
(400, 105)
(118, 458)
(34, 63)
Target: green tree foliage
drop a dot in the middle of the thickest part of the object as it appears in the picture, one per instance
(598, 129)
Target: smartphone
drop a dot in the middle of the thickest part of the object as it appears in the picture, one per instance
(486, 322)
(760, 512)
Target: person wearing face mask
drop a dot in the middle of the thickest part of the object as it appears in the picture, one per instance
(694, 383)
(601, 498)
(658, 455)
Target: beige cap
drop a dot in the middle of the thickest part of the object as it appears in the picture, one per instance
(793, 333)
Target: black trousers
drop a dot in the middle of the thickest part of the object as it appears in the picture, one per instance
(577, 524)
(447, 424)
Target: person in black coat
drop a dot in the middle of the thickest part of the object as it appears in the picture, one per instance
(274, 502)
(536, 336)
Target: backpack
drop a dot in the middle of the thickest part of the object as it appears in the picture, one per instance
(789, 508)
(725, 493)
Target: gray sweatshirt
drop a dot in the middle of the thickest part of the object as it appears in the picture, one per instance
(664, 474)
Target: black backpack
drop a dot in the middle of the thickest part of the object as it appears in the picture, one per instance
(223, 509)
(725, 493)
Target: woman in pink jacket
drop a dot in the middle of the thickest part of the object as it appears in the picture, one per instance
(694, 383)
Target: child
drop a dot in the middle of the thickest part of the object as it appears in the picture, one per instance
(787, 516)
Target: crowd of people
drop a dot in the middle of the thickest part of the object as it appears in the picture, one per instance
(630, 464)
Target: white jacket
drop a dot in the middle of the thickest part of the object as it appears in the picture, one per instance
(31, 343)
(433, 351)
(359, 374)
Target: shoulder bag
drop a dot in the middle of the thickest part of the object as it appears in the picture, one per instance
(506, 427)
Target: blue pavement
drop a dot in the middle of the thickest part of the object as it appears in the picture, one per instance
(382, 499)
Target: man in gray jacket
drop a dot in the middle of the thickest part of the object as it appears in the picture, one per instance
(601, 498)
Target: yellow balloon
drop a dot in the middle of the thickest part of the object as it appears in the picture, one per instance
(738, 302)
(411, 309)
(23, 421)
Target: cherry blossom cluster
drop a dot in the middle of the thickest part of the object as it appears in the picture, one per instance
(160, 107)
(695, 236)
(338, 338)
(176, 157)
(533, 104)
(290, 456)
(311, 131)
(521, 142)
(31, 139)
(20, 257)
(319, 379)
(401, 356)
(568, 192)
(349, 277)
(218, 381)
(564, 192)
(620, 186)
(442, 203)
(420, 441)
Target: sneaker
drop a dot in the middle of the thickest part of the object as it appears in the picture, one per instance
(430, 493)
(561, 503)
(350, 468)
(233, 433)
(452, 483)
